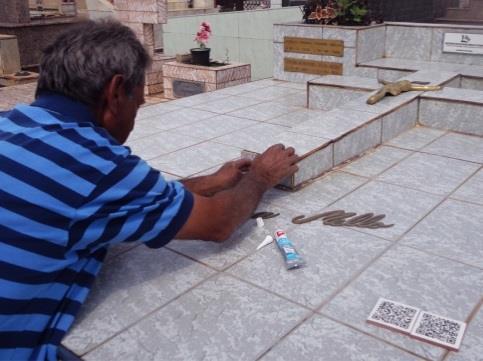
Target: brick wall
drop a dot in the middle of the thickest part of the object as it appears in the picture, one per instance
(408, 10)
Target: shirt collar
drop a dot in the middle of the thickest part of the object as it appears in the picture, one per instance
(67, 107)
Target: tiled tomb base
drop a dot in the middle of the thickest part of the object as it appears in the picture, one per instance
(345, 132)
(204, 78)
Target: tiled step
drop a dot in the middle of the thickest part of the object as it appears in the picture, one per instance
(453, 109)
(336, 136)
(392, 68)
(331, 91)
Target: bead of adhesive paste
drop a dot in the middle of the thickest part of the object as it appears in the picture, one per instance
(260, 222)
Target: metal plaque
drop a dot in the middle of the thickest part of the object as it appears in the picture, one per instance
(463, 43)
(183, 88)
(312, 66)
(313, 46)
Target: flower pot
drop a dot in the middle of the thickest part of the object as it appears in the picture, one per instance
(200, 56)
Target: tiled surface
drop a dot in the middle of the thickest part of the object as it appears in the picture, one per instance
(408, 42)
(227, 104)
(219, 319)
(416, 138)
(314, 165)
(370, 44)
(411, 277)
(458, 146)
(215, 127)
(333, 124)
(318, 195)
(430, 173)
(403, 207)
(160, 143)
(471, 190)
(327, 97)
(319, 338)
(472, 347)
(130, 286)
(162, 304)
(453, 116)
(453, 230)
(241, 244)
(399, 120)
(264, 111)
(195, 159)
(376, 161)
(325, 249)
(357, 142)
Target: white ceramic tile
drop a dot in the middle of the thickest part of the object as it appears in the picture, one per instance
(129, 287)
(161, 143)
(332, 254)
(376, 161)
(471, 190)
(458, 146)
(416, 138)
(452, 230)
(415, 278)
(403, 207)
(195, 159)
(430, 173)
(317, 195)
(227, 105)
(320, 336)
(264, 111)
(221, 318)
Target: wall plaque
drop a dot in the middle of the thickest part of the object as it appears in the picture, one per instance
(313, 46)
(312, 66)
(463, 43)
(183, 88)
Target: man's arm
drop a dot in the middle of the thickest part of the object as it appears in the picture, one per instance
(216, 218)
(224, 178)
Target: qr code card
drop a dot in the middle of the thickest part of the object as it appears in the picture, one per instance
(393, 315)
(439, 330)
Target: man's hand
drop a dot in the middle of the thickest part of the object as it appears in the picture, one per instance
(216, 218)
(275, 164)
(231, 173)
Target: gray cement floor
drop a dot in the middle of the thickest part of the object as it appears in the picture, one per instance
(198, 300)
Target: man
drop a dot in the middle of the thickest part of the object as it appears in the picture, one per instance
(69, 189)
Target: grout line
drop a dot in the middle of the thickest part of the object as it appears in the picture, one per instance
(145, 316)
(293, 329)
(371, 335)
(355, 276)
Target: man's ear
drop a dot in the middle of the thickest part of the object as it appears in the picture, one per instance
(114, 94)
(112, 97)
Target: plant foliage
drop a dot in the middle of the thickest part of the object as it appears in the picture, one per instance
(336, 12)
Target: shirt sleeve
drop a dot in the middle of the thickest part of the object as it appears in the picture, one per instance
(132, 203)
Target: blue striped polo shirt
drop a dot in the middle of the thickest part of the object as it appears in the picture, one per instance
(68, 190)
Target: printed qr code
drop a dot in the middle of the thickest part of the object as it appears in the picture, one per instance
(394, 315)
(440, 330)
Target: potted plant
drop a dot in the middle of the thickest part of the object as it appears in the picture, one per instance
(201, 55)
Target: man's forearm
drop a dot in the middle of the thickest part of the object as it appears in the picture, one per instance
(204, 185)
(237, 204)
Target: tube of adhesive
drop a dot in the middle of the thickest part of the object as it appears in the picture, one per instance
(290, 255)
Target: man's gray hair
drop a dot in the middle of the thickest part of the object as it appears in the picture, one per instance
(82, 60)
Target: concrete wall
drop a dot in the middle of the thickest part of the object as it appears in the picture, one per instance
(246, 35)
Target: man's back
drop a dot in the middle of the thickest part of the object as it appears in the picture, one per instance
(61, 204)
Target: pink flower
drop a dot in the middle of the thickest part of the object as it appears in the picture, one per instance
(203, 34)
